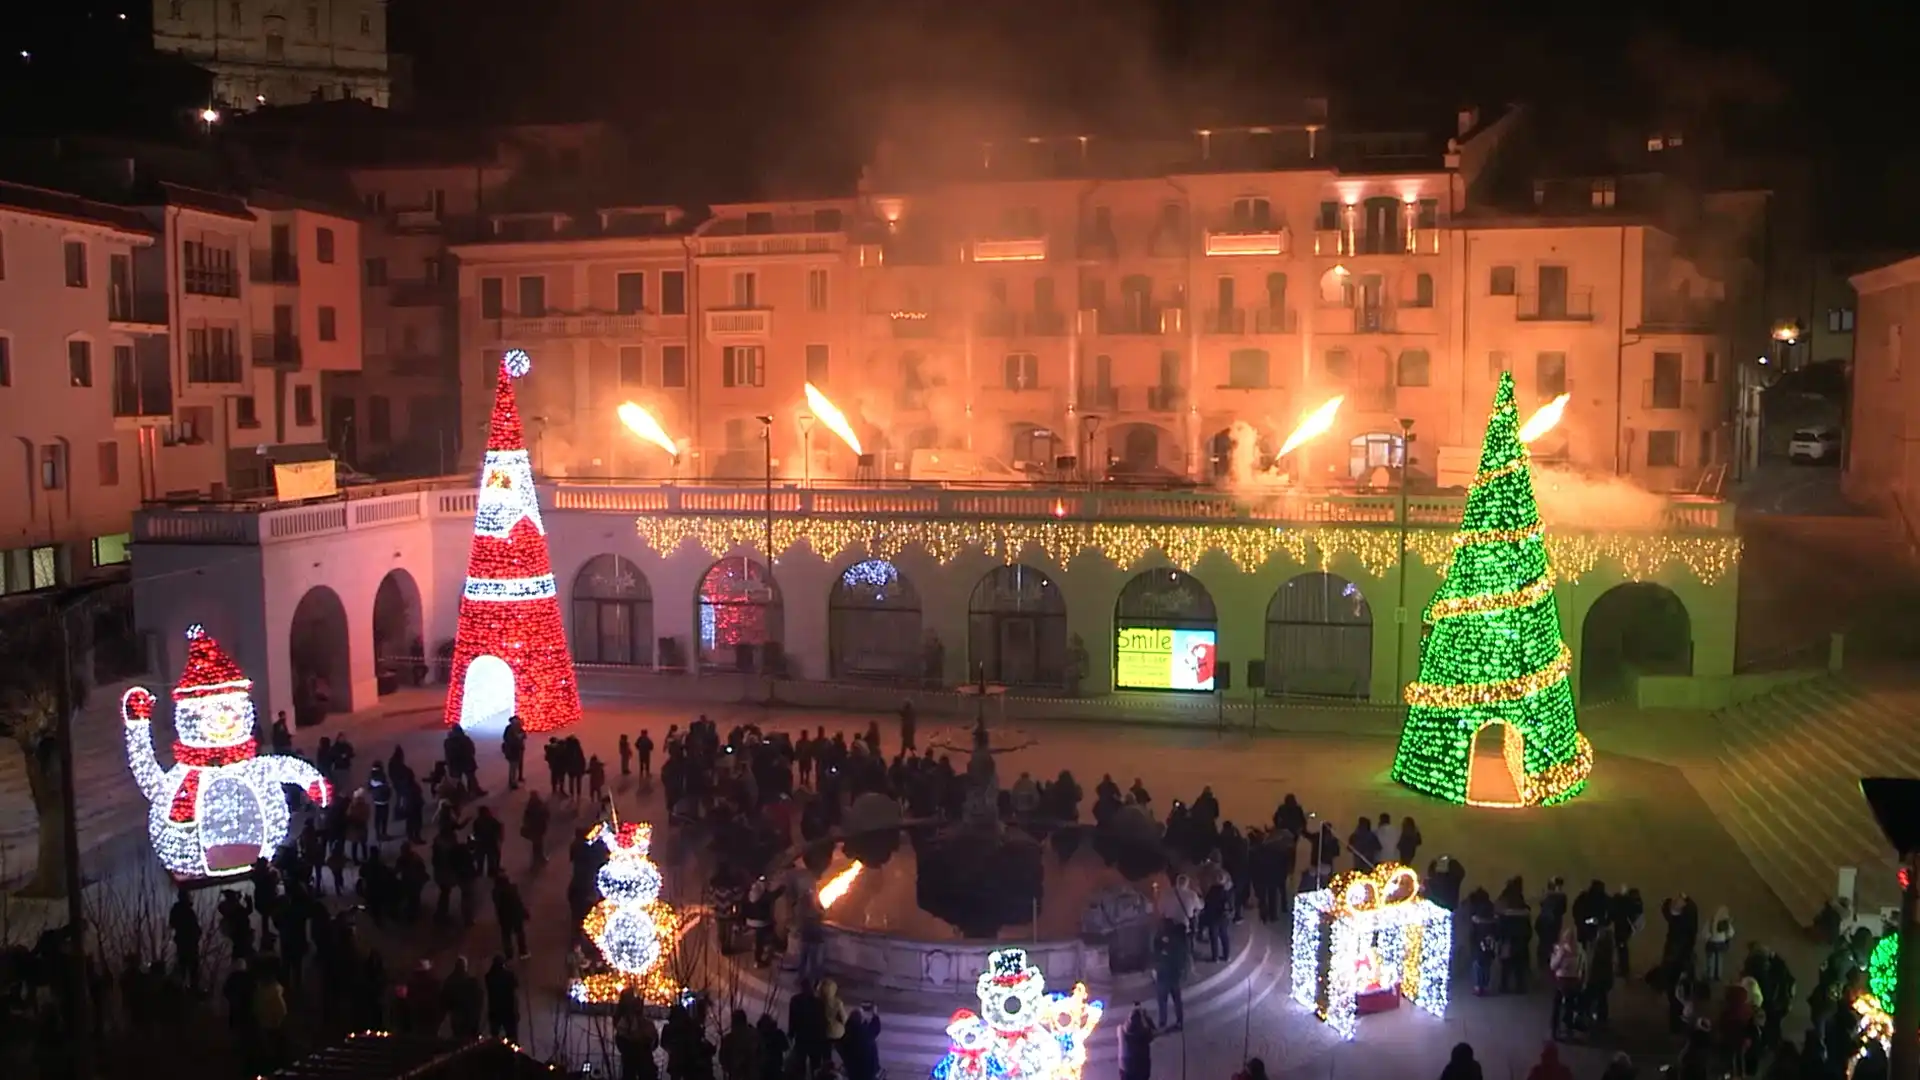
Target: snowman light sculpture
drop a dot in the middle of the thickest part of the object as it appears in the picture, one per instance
(1021, 1032)
(633, 929)
(220, 806)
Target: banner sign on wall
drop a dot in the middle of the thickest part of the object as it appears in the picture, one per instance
(1149, 658)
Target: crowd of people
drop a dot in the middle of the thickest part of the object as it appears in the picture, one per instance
(303, 931)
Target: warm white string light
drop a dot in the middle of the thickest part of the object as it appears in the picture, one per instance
(1370, 923)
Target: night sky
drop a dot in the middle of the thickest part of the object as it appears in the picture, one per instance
(794, 84)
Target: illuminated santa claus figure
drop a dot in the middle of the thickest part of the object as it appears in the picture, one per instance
(220, 806)
(1021, 1032)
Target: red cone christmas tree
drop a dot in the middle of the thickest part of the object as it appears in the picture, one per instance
(510, 650)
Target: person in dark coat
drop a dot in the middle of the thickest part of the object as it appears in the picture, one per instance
(1516, 932)
(773, 1048)
(503, 1001)
(1462, 1066)
(807, 1024)
(1551, 918)
(1590, 910)
(1136, 1045)
(1626, 910)
(860, 1046)
(464, 998)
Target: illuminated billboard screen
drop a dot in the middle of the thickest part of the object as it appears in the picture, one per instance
(1161, 659)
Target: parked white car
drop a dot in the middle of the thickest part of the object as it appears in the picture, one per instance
(1815, 446)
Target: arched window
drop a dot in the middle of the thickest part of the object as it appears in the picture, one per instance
(612, 613)
(1164, 632)
(1374, 450)
(873, 624)
(741, 620)
(1017, 628)
(1320, 638)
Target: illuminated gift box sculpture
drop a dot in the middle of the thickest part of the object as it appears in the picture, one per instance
(1368, 941)
(1021, 1032)
(635, 931)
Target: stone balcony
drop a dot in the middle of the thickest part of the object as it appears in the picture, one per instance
(267, 521)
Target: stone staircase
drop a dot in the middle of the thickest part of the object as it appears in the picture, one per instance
(913, 1023)
(1786, 785)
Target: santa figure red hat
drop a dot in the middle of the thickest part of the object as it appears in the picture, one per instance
(510, 649)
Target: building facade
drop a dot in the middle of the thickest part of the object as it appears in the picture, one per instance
(281, 52)
(82, 367)
(1047, 308)
(1882, 465)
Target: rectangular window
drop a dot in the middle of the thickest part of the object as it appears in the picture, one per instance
(1249, 369)
(328, 327)
(80, 363)
(1706, 446)
(533, 296)
(816, 290)
(246, 412)
(493, 302)
(323, 245)
(746, 289)
(377, 271)
(1664, 390)
(817, 365)
(6, 361)
(1663, 449)
(1339, 366)
(1500, 281)
(1550, 374)
(1427, 214)
(1022, 371)
(633, 365)
(379, 419)
(673, 366)
(1839, 320)
(53, 467)
(303, 406)
(3, 256)
(630, 292)
(110, 464)
(1710, 368)
(1498, 361)
(76, 254)
(827, 220)
(112, 550)
(673, 292)
(313, 18)
(743, 365)
(1328, 220)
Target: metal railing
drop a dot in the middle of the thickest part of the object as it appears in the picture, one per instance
(1231, 320)
(279, 268)
(1270, 320)
(210, 281)
(1573, 305)
(276, 350)
(1044, 324)
(1670, 394)
(131, 306)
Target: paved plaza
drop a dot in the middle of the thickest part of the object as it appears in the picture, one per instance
(1641, 823)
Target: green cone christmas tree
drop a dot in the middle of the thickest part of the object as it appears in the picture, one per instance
(1494, 654)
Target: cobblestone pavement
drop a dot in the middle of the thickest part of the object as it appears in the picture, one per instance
(1641, 823)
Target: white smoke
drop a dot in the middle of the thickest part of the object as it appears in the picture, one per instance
(1567, 497)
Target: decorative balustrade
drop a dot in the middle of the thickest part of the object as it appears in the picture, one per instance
(267, 522)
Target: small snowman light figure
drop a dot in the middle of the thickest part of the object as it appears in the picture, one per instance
(220, 806)
(630, 925)
(1022, 1032)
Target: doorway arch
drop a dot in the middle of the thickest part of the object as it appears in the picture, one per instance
(1017, 628)
(1633, 629)
(612, 613)
(1320, 638)
(1165, 633)
(1497, 765)
(488, 696)
(399, 651)
(873, 623)
(321, 661)
(740, 616)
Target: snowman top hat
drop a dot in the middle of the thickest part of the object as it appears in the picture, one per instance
(210, 672)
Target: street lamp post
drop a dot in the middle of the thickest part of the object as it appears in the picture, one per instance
(806, 450)
(1088, 425)
(766, 435)
(1400, 608)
